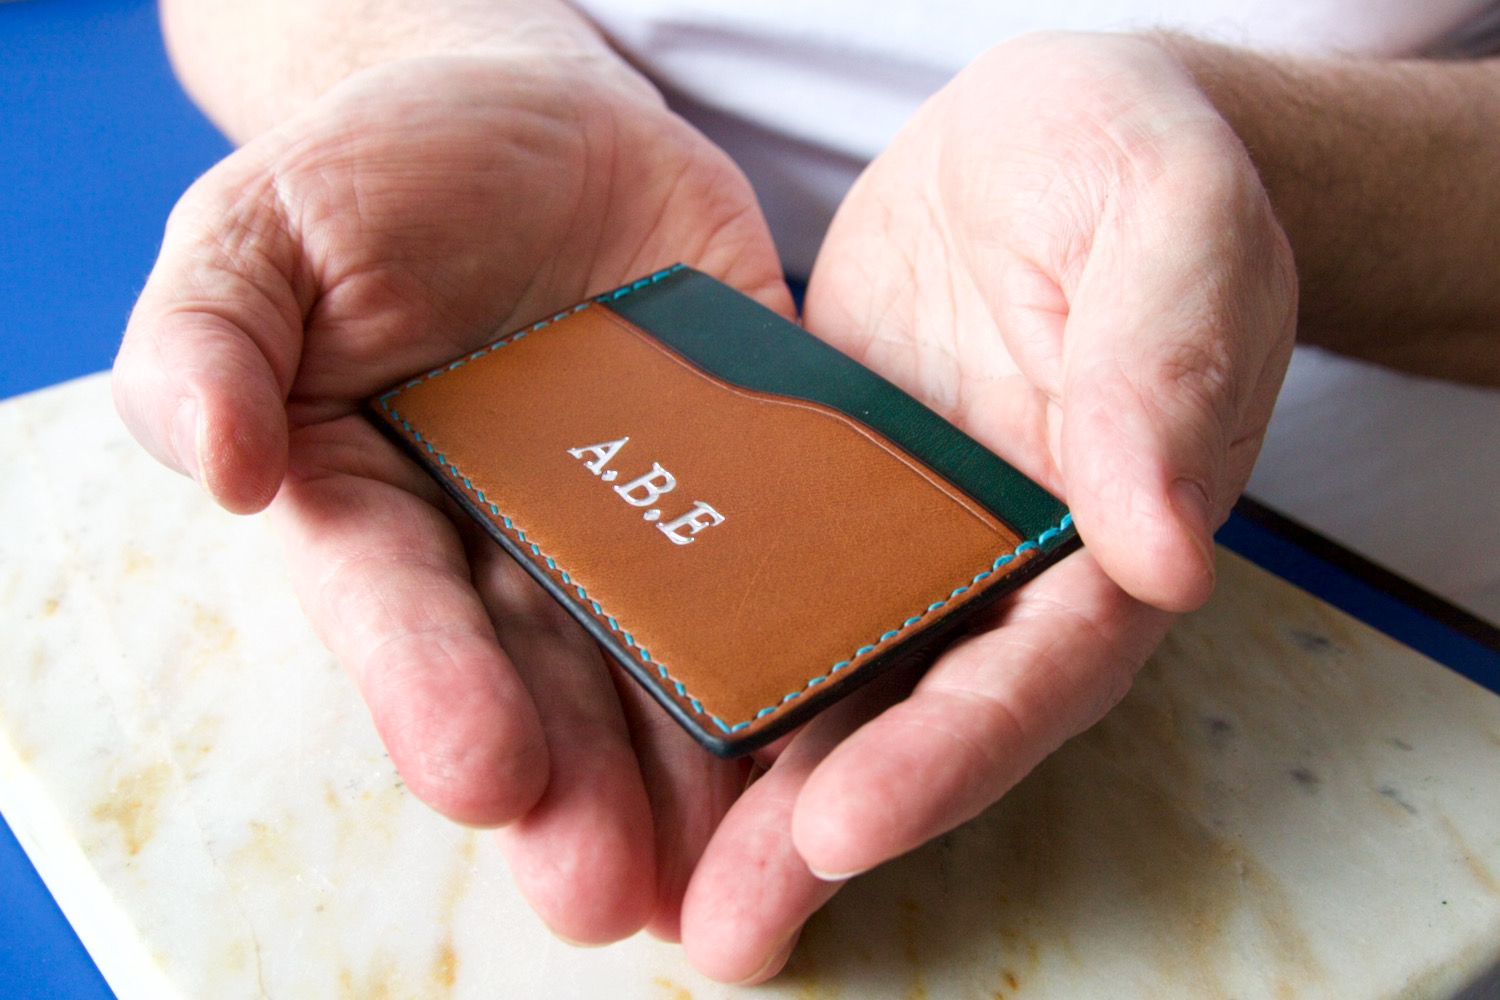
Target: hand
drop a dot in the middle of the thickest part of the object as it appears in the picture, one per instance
(1068, 253)
(408, 216)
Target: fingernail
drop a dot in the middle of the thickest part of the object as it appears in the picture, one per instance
(1190, 503)
(185, 438)
(835, 876)
(775, 962)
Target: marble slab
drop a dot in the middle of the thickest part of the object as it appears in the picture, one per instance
(1288, 805)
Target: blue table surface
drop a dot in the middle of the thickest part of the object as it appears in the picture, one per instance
(99, 141)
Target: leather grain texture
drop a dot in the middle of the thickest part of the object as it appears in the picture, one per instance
(746, 555)
(745, 343)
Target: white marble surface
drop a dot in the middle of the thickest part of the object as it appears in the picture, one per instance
(1288, 805)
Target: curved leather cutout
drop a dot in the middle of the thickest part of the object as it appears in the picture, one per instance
(747, 345)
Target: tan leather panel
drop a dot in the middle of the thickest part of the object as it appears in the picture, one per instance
(830, 539)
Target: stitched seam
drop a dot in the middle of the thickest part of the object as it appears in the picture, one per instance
(1040, 542)
(618, 293)
(598, 610)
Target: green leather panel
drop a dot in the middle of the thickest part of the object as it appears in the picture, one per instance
(744, 343)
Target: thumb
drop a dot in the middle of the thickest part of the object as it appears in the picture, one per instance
(212, 345)
(1177, 338)
(1144, 475)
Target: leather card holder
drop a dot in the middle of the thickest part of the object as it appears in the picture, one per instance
(751, 523)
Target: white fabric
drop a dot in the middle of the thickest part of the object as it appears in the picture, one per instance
(847, 73)
(826, 84)
(803, 92)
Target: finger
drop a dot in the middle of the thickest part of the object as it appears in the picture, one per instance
(382, 576)
(986, 713)
(752, 890)
(1128, 253)
(583, 855)
(689, 790)
(1177, 339)
(212, 344)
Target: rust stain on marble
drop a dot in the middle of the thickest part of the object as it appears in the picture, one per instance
(134, 804)
(215, 635)
(910, 926)
(50, 606)
(1135, 823)
(193, 747)
(374, 984)
(1021, 959)
(267, 852)
(25, 752)
(1199, 881)
(445, 966)
(1124, 805)
(807, 971)
(1296, 963)
(668, 990)
(384, 980)
(239, 955)
(208, 642)
(137, 561)
(1471, 859)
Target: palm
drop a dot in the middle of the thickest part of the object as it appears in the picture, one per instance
(897, 287)
(1067, 253)
(410, 216)
(876, 776)
(1068, 249)
(437, 204)
(893, 290)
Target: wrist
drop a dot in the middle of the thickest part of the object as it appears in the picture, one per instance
(1376, 170)
(251, 64)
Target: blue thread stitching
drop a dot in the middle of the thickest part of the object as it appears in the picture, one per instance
(1039, 542)
(606, 297)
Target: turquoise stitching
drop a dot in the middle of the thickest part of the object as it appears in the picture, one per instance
(1040, 542)
(502, 342)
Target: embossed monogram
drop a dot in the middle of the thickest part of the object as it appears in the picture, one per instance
(646, 490)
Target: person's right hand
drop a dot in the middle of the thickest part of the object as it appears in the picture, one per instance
(407, 216)
(1067, 253)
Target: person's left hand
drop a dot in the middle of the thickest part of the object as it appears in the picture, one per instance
(1068, 254)
(398, 221)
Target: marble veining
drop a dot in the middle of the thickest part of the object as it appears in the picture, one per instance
(1287, 805)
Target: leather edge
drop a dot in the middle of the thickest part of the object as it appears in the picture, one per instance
(1051, 544)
